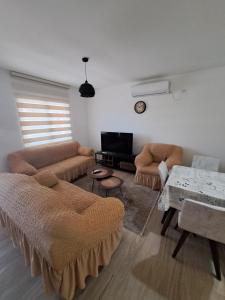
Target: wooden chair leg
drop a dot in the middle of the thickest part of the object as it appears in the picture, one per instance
(215, 257)
(180, 243)
(164, 216)
(169, 217)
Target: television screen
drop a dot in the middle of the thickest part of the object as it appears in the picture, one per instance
(119, 142)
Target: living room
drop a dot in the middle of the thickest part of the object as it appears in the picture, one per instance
(133, 49)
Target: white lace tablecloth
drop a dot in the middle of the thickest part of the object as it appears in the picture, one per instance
(200, 185)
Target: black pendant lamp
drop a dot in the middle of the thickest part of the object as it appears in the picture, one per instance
(86, 89)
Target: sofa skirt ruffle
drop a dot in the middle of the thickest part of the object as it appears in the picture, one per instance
(66, 281)
(152, 181)
(73, 173)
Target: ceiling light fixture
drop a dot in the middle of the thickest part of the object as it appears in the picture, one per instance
(86, 89)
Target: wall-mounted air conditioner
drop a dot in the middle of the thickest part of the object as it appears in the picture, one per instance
(151, 88)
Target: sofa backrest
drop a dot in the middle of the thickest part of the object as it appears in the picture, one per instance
(160, 152)
(46, 155)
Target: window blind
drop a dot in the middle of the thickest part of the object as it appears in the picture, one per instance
(44, 120)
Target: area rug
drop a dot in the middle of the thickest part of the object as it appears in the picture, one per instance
(138, 200)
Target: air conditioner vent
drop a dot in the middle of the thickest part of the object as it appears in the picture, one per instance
(151, 88)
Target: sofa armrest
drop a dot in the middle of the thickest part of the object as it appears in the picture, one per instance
(143, 159)
(104, 212)
(97, 221)
(18, 165)
(175, 158)
(86, 151)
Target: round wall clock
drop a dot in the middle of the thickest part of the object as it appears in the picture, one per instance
(140, 107)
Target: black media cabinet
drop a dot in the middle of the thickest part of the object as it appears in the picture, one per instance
(116, 160)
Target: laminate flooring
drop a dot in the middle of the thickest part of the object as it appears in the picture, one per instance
(141, 269)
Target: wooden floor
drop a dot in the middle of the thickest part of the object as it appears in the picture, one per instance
(141, 268)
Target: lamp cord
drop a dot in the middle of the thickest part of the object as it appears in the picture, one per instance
(85, 71)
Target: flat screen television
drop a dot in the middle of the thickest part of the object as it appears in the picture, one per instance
(119, 142)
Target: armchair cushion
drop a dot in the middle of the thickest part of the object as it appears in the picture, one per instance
(150, 169)
(144, 158)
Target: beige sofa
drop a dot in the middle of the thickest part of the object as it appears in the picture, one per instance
(148, 160)
(67, 160)
(64, 232)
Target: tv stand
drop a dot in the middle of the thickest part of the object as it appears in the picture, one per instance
(116, 160)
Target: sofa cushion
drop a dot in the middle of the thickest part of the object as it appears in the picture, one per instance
(75, 198)
(70, 168)
(46, 178)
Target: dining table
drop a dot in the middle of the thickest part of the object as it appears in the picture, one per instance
(192, 183)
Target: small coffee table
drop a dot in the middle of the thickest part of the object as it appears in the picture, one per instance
(111, 183)
(99, 176)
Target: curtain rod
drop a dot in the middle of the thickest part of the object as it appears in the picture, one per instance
(38, 79)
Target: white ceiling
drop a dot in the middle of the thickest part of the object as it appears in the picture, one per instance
(127, 40)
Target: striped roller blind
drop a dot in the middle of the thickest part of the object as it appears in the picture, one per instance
(44, 120)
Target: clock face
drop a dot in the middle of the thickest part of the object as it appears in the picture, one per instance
(140, 107)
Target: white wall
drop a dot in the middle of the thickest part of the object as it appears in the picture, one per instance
(196, 121)
(10, 139)
(79, 117)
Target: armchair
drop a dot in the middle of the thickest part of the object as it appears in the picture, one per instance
(148, 160)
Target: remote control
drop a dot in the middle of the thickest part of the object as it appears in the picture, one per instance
(96, 171)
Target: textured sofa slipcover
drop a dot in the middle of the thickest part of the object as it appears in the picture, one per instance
(64, 232)
(67, 160)
(147, 162)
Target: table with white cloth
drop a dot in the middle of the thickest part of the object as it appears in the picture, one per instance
(196, 184)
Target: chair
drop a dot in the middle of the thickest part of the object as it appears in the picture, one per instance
(168, 214)
(199, 162)
(163, 174)
(148, 160)
(205, 220)
(205, 162)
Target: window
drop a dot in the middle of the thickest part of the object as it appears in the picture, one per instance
(44, 120)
